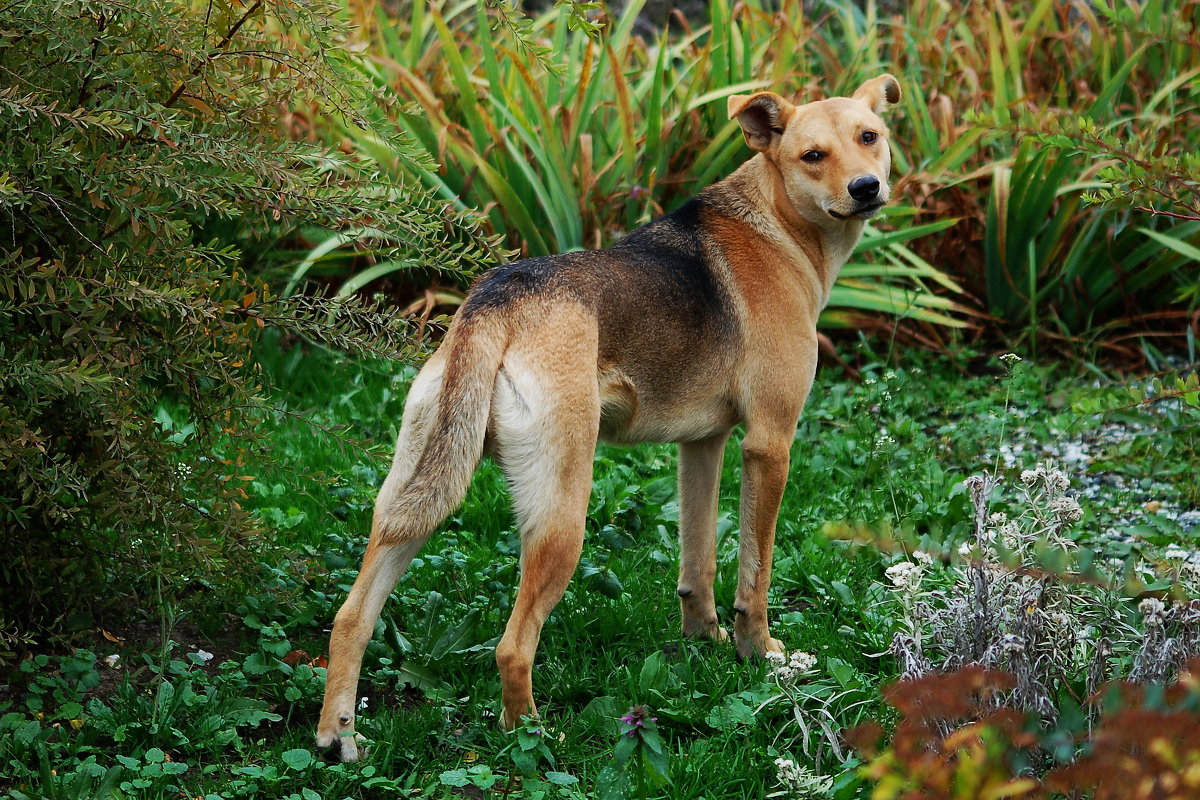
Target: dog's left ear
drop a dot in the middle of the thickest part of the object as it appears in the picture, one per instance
(763, 117)
(879, 93)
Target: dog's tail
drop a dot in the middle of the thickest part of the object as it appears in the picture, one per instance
(438, 480)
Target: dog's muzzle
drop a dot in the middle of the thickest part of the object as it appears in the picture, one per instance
(865, 191)
(862, 211)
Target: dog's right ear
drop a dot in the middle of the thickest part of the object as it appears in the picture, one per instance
(763, 117)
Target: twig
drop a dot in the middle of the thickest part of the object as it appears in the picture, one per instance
(1158, 213)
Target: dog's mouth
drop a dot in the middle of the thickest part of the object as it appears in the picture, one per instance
(862, 212)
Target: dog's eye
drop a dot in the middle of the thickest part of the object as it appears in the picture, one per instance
(812, 156)
(869, 136)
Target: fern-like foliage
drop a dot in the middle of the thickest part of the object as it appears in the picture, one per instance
(128, 394)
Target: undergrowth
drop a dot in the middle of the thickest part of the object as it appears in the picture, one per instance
(882, 460)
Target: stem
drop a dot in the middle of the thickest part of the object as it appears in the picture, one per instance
(1003, 420)
(1157, 213)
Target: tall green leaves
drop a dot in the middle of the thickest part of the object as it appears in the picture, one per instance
(621, 130)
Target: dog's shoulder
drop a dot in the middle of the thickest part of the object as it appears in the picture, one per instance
(676, 236)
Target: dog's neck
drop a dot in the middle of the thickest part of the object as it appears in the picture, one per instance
(759, 184)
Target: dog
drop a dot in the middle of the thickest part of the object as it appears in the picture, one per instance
(690, 325)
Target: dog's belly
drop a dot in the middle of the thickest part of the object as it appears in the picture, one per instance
(629, 414)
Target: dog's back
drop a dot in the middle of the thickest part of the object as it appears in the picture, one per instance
(667, 323)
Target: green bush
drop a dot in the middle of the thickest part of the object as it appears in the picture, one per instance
(129, 394)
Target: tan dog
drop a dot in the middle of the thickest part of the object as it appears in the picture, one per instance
(701, 320)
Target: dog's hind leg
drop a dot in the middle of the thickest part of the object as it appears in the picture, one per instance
(387, 557)
(546, 428)
(699, 487)
(383, 565)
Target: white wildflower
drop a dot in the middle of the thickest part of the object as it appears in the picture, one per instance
(1010, 358)
(905, 575)
(922, 558)
(1058, 479)
(1030, 476)
(775, 657)
(1174, 551)
(784, 674)
(802, 662)
(787, 771)
(965, 549)
(1067, 509)
(998, 518)
(1152, 611)
(1012, 643)
(801, 781)
(1010, 535)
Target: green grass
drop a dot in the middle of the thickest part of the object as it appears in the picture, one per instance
(881, 457)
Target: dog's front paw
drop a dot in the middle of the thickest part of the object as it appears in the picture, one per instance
(337, 741)
(752, 646)
(705, 629)
(346, 747)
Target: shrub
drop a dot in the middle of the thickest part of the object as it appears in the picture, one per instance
(130, 396)
(1067, 104)
(953, 744)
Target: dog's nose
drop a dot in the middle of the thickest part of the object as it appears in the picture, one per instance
(864, 189)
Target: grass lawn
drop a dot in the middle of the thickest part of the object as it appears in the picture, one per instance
(882, 459)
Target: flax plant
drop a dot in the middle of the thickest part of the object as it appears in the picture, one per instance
(603, 132)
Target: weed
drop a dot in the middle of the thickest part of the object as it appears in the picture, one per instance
(639, 758)
(1013, 606)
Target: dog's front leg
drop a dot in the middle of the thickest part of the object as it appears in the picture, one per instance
(699, 487)
(765, 456)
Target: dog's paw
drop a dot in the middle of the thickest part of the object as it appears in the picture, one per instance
(706, 630)
(346, 747)
(748, 647)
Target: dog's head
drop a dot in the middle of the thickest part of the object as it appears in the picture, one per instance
(832, 155)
